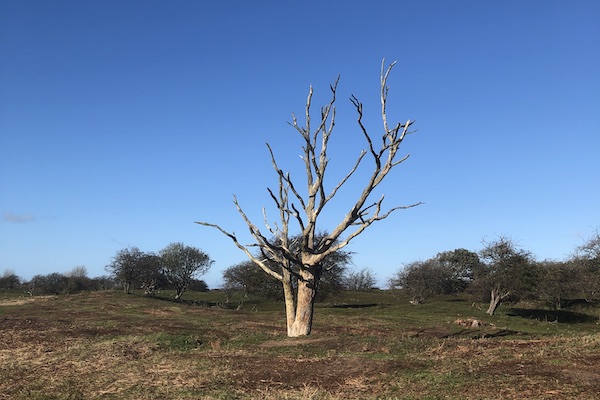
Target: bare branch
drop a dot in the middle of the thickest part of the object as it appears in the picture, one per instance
(266, 221)
(285, 177)
(258, 262)
(341, 183)
(296, 214)
(366, 223)
(391, 140)
(384, 92)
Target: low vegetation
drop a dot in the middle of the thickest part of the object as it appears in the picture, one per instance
(365, 345)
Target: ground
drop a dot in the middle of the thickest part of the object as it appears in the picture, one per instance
(108, 345)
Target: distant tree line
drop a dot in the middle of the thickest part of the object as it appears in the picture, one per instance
(502, 272)
(74, 281)
(176, 267)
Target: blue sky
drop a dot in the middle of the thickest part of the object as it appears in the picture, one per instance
(123, 122)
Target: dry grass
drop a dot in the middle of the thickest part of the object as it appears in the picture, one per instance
(110, 346)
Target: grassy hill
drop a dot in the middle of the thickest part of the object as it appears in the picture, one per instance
(108, 345)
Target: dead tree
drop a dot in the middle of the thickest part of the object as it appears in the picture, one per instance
(304, 261)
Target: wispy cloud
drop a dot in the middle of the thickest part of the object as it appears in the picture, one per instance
(18, 219)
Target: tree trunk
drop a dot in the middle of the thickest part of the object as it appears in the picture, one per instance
(494, 303)
(307, 290)
(290, 303)
(496, 299)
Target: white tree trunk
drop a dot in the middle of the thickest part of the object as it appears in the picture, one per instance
(307, 290)
(290, 302)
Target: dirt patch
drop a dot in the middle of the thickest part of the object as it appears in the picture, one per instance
(570, 374)
(352, 374)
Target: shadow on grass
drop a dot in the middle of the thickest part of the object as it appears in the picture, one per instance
(366, 305)
(474, 334)
(197, 303)
(559, 316)
(485, 335)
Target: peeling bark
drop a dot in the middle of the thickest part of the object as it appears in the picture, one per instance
(303, 320)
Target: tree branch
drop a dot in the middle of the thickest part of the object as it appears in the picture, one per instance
(258, 262)
(360, 215)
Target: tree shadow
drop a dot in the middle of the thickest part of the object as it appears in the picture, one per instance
(366, 305)
(197, 303)
(579, 303)
(558, 316)
(481, 334)
(500, 333)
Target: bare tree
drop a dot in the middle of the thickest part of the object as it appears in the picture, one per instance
(77, 280)
(363, 279)
(305, 207)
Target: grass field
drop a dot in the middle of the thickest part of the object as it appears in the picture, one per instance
(108, 345)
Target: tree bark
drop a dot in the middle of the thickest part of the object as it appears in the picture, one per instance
(290, 301)
(307, 290)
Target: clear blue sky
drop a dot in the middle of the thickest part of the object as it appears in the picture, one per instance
(123, 122)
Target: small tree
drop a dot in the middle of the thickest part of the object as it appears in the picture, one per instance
(507, 271)
(363, 279)
(247, 278)
(304, 262)
(586, 258)
(558, 281)
(461, 265)
(126, 266)
(590, 250)
(150, 276)
(9, 280)
(77, 280)
(180, 264)
(422, 280)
